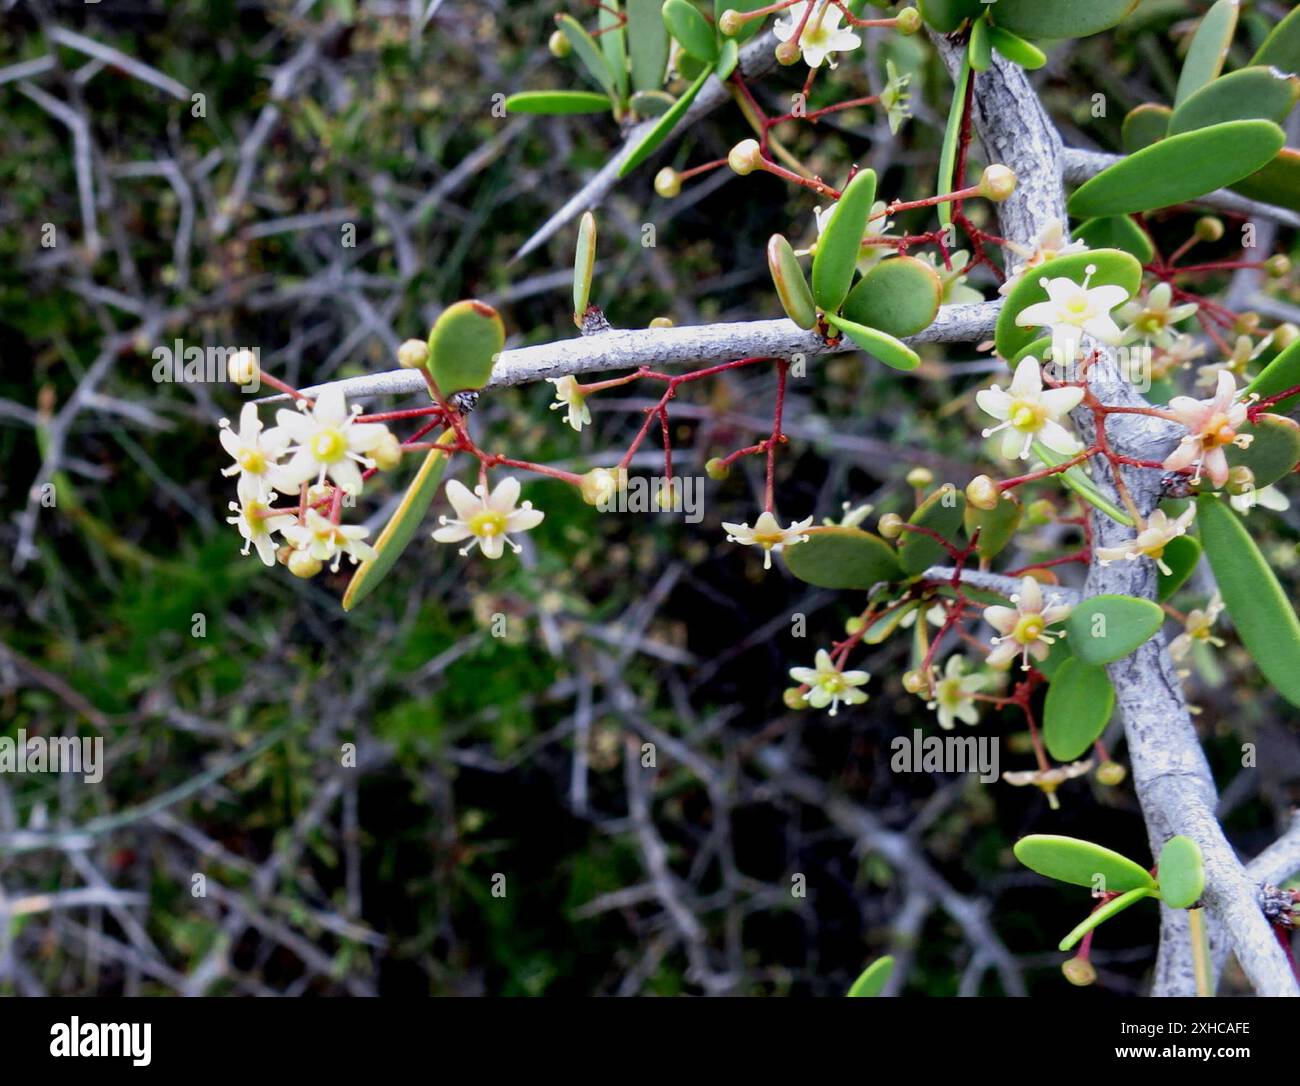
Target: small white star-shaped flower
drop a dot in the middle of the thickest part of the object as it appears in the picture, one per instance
(487, 519)
(822, 34)
(1073, 311)
(954, 694)
(330, 443)
(1023, 628)
(1028, 412)
(255, 452)
(1212, 426)
(323, 539)
(256, 521)
(828, 685)
(1151, 541)
(569, 395)
(768, 534)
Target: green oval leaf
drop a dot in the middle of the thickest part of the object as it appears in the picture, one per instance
(584, 264)
(947, 181)
(880, 345)
(463, 345)
(873, 978)
(1277, 182)
(1145, 125)
(1248, 94)
(947, 15)
(1179, 168)
(940, 513)
(652, 139)
(996, 526)
(587, 51)
(728, 58)
(1081, 863)
(1103, 629)
(1208, 50)
(1117, 232)
(980, 48)
(1059, 18)
(1279, 375)
(840, 244)
(613, 43)
(1275, 451)
(647, 44)
(1016, 49)
(1259, 608)
(791, 286)
(1281, 48)
(1182, 553)
(1113, 267)
(839, 557)
(1080, 701)
(651, 103)
(691, 29)
(1100, 915)
(1181, 873)
(557, 102)
(900, 296)
(401, 526)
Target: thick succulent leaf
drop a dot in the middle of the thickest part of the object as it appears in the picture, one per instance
(1257, 93)
(1099, 916)
(1279, 375)
(980, 48)
(1106, 628)
(1281, 48)
(840, 243)
(1179, 168)
(558, 102)
(651, 140)
(1209, 48)
(647, 44)
(613, 43)
(463, 345)
(1276, 182)
(1182, 553)
(691, 29)
(873, 978)
(1265, 620)
(651, 103)
(947, 15)
(900, 296)
(791, 285)
(883, 628)
(1081, 863)
(1275, 451)
(1058, 18)
(880, 345)
(589, 53)
(1080, 700)
(846, 558)
(1117, 232)
(1144, 125)
(728, 58)
(947, 182)
(1016, 49)
(1181, 873)
(1113, 267)
(401, 526)
(584, 263)
(940, 513)
(996, 526)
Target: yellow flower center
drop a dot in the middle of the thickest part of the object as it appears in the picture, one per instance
(255, 513)
(949, 693)
(1077, 306)
(1151, 321)
(1029, 629)
(1218, 431)
(767, 539)
(487, 524)
(329, 445)
(252, 460)
(832, 683)
(1026, 417)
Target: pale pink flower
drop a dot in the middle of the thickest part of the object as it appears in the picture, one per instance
(1212, 426)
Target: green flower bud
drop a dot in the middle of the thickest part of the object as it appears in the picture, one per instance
(793, 698)
(909, 21)
(302, 564)
(982, 492)
(745, 157)
(1111, 773)
(716, 469)
(920, 478)
(1079, 972)
(997, 183)
(1209, 228)
(890, 526)
(559, 44)
(668, 183)
(413, 354)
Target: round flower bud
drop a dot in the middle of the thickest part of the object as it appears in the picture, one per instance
(920, 478)
(1040, 512)
(731, 22)
(788, 52)
(559, 44)
(1241, 480)
(982, 492)
(1278, 265)
(284, 553)
(854, 625)
(793, 698)
(1079, 972)
(909, 21)
(1284, 335)
(997, 183)
(668, 183)
(1111, 773)
(914, 682)
(717, 469)
(890, 526)
(1247, 323)
(1209, 228)
(745, 157)
(302, 564)
(599, 485)
(242, 367)
(413, 354)
(662, 322)
(388, 453)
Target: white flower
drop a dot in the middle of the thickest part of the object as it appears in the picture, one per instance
(323, 539)
(1154, 319)
(896, 98)
(568, 394)
(1244, 352)
(828, 685)
(1212, 425)
(1049, 244)
(937, 615)
(1073, 311)
(330, 442)
(1024, 627)
(954, 694)
(1197, 627)
(487, 519)
(255, 452)
(256, 521)
(822, 34)
(1029, 413)
(1152, 540)
(1049, 780)
(1267, 497)
(768, 534)
(1180, 353)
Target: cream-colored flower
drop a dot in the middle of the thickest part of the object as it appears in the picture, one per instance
(1029, 413)
(1023, 628)
(487, 519)
(1266, 497)
(1154, 319)
(1212, 425)
(1049, 780)
(1198, 626)
(896, 97)
(822, 34)
(768, 534)
(255, 452)
(828, 685)
(1244, 352)
(1152, 540)
(330, 443)
(935, 615)
(1180, 353)
(569, 395)
(954, 694)
(256, 522)
(1073, 311)
(1049, 244)
(323, 539)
